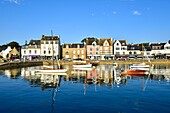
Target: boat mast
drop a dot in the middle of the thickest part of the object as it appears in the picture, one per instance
(52, 48)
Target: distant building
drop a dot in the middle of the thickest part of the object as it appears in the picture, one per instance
(167, 49)
(106, 48)
(92, 47)
(120, 49)
(31, 51)
(5, 53)
(50, 46)
(14, 54)
(157, 50)
(74, 51)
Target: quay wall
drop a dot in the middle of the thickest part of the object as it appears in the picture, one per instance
(11, 65)
(104, 62)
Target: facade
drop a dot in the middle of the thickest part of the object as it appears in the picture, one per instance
(50, 46)
(5, 53)
(31, 51)
(74, 51)
(157, 50)
(106, 48)
(120, 49)
(92, 47)
(14, 54)
(134, 51)
(167, 49)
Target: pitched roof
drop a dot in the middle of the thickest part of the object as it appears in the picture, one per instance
(134, 47)
(102, 40)
(49, 37)
(74, 45)
(123, 42)
(89, 41)
(34, 42)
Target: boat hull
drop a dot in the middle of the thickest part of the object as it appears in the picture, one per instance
(83, 66)
(51, 70)
(135, 72)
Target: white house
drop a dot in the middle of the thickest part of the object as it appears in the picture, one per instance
(120, 47)
(31, 51)
(167, 49)
(5, 52)
(50, 46)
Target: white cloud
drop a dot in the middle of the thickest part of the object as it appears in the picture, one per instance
(14, 1)
(114, 12)
(137, 13)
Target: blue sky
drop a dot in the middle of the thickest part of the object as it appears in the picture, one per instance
(133, 20)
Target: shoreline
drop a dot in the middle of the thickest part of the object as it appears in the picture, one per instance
(11, 65)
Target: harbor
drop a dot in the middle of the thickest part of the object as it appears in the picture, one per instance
(102, 88)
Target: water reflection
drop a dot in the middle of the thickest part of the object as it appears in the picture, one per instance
(102, 75)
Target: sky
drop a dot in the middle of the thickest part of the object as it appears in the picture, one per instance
(136, 21)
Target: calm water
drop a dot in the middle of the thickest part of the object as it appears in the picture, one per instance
(84, 91)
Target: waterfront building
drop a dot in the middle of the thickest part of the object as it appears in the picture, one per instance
(120, 49)
(134, 51)
(167, 49)
(14, 54)
(31, 50)
(50, 46)
(106, 48)
(73, 51)
(5, 52)
(157, 50)
(92, 47)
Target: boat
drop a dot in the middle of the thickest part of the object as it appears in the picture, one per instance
(82, 66)
(135, 72)
(51, 70)
(140, 66)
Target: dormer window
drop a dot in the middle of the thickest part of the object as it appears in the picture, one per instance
(94, 43)
(117, 44)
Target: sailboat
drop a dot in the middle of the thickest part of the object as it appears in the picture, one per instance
(52, 69)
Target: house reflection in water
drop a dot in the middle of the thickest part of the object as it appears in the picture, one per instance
(102, 75)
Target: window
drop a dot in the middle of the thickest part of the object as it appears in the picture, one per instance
(96, 53)
(123, 53)
(78, 51)
(29, 51)
(117, 53)
(44, 52)
(90, 49)
(35, 51)
(130, 53)
(24, 52)
(67, 53)
(74, 51)
(117, 44)
(82, 51)
(97, 49)
(117, 48)
(134, 52)
(49, 52)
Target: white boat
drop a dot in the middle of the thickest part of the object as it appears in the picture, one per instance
(82, 66)
(141, 66)
(51, 70)
(79, 61)
(51, 73)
